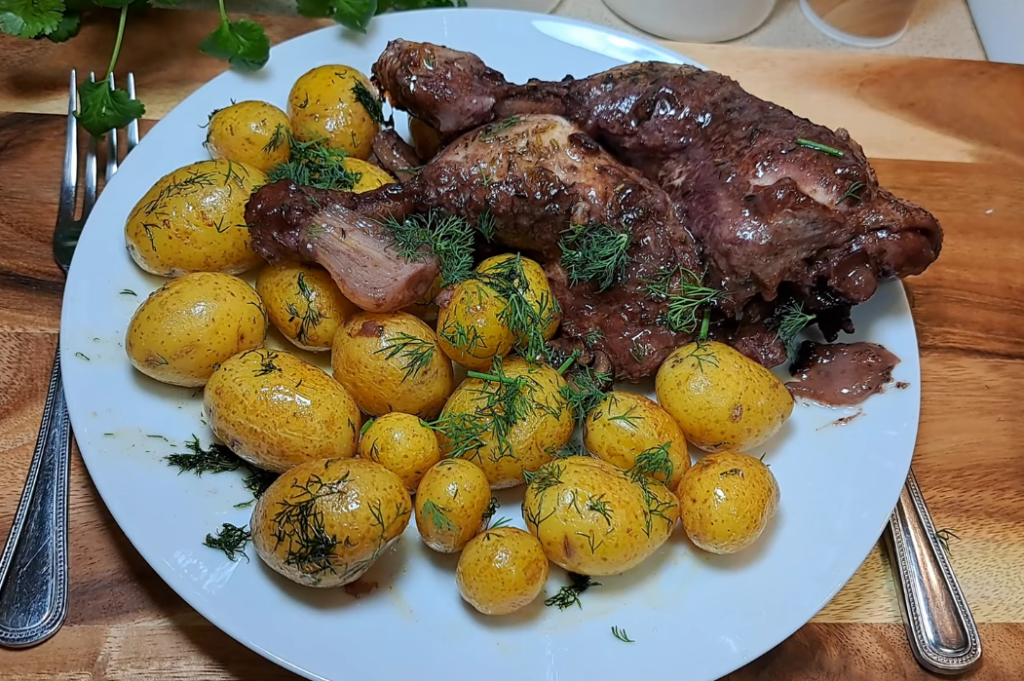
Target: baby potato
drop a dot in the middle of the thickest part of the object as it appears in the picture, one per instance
(451, 502)
(276, 411)
(370, 176)
(627, 430)
(392, 362)
(324, 523)
(191, 325)
(304, 303)
(193, 220)
(250, 132)
(501, 571)
(401, 443)
(527, 276)
(510, 424)
(721, 399)
(425, 139)
(595, 519)
(337, 104)
(470, 327)
(726, 501)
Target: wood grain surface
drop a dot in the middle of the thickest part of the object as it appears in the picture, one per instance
(953, 141)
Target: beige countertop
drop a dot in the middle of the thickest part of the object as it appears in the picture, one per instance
(939, 28)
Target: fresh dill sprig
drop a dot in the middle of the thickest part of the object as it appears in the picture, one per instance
(314, 164)
(526, 319)
(597, 253)
(943, 536)
(583, 391)
(627, 417)
(436, 514)
(464, 434)
(492, 508)
(300, 523)
(791, 321)
(369, 102)
(312, 317)
(216, 459)
(276, 139)
(818, 146)
(621, 635)
(230, 539)
(593, 337)
(258, 481)
(449, 237)
(547, 476)
(569, 595)
(500, 522)
(653, 462)
(415, 353)
(687, 297)
(467, 338)
(486, 224)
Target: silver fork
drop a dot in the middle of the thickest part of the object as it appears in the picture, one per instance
(34, 564)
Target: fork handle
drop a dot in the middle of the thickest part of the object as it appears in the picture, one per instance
(940, 627)
(34, 564)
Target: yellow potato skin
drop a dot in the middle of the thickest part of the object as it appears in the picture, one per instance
(593, 519)
(371, 176)
(726, 500)
(290, 287)
(469, 327)
(721, 399)
(501, 571)
(368, 359)
(360, 504)
(537, 292)
(250, 132)
(189, 326)
(193, 220)
(532, 441)
(322, 105)
(624, 425)
(276, 411)
(451, 501)
(426, 139)
(401, 443)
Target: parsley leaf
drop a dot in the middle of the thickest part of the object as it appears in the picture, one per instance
(242, 43)
(103, 109)
(315, 8)
(30, 18)
(67, 28)
(354, 14)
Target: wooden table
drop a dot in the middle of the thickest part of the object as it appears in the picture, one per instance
(947, 134)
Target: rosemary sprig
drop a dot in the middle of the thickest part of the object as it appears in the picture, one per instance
(597, 253)
(686, 299)
(791, 321)
(415, 353)
(569, 595)
(818, 146)
(853, 193)
(230, 539)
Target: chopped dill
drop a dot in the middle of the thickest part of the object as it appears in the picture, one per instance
(230, 539)
(791, 320)
(449, 237)
(416, 354)
(369, 102)
(687, 297)
(621, 635)
(314, 164)
(569, 595)
(597, 253)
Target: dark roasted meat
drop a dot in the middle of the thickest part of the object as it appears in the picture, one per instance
(529, 180)
(340, 233)
(773, 218)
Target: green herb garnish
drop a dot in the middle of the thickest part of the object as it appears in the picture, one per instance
(597, 253)
(230, 539)
(818, 146)
(569, 596)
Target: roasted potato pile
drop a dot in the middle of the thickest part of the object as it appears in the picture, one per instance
(596, 504)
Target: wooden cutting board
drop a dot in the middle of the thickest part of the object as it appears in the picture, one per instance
(947, 134)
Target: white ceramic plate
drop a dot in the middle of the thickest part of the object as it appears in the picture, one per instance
(702, 615)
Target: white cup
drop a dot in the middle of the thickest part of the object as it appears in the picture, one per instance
(698, 21)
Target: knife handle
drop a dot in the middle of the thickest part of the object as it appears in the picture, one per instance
(34, 564)
(940, 627)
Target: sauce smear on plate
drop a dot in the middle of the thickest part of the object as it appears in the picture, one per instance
(841, 374)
